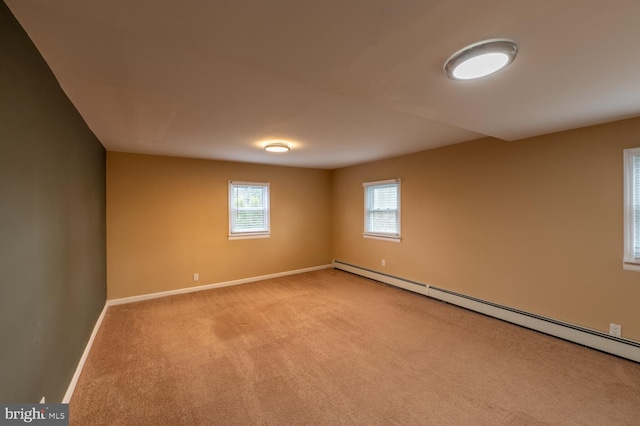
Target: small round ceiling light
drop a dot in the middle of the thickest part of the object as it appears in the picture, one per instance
(481, 59)
(277, 147)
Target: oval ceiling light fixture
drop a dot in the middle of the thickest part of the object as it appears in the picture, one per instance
(277, 146)
(481, 59)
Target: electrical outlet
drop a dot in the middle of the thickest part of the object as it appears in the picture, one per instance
(42, 400)
(196, 277)
(384, 262)
(615, 330)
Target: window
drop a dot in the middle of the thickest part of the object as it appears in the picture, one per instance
(248, 210)
(382, 209)
(632, 209)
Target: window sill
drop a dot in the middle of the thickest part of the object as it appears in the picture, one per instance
(382, 237)
(248, 236)
(630, 266)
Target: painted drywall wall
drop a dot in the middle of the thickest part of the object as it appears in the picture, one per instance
(167, 219)
(52, 225)
(535, 224)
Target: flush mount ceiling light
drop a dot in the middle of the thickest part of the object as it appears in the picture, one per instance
(481, 59)
(277, 147)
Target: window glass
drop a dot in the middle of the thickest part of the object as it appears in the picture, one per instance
(632, 209)
(382, 209)
(248, 209)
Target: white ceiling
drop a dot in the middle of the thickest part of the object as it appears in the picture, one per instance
(346, 81)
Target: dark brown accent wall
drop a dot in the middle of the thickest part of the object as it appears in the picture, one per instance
(52, 225)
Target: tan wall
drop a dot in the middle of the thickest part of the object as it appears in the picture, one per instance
(535, 224)
(167, 219)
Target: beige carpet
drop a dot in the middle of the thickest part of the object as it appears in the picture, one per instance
(331, 348)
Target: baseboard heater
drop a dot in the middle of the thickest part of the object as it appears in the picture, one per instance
(592, 338)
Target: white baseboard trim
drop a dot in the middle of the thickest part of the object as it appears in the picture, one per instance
(416, 287)
(87, 349)
(624, 348)
(83, 358)
(149, 296)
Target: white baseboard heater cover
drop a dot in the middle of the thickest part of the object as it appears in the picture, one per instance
(414, 286)
(591, 338)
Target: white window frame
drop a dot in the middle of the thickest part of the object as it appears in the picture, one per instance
(263, 233)
(631, 259)
(396, 236)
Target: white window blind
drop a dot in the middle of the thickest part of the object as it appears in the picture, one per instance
(632, 208)
(382, 209)
(248, 209)
(636, 207)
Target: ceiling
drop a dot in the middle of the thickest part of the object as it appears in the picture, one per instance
(345, 81)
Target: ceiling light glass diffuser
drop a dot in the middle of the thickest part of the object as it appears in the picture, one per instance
(277, 147)
(481, 59)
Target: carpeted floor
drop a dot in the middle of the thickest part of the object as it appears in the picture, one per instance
(331, 348)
